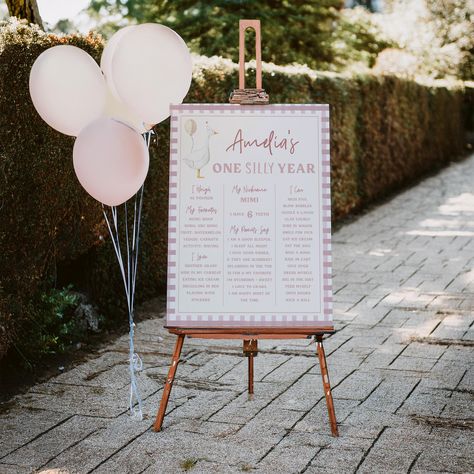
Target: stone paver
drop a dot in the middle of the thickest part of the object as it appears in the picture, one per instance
(401, 367)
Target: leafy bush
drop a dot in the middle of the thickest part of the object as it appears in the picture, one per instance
(52, 326)
(58, 327)
(386, 132)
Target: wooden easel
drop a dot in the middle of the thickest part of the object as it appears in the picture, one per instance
(249, 336)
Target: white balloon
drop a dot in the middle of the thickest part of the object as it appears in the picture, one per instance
(67, 88)
(151, 69)
(117, 110)
(107, 54)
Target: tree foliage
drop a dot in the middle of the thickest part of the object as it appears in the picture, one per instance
(304, 32)
(421, 37)
(454, 24)
(438, 34)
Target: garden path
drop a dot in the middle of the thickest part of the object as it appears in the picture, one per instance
(401, 367)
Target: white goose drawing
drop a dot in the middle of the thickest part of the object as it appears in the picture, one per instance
(199, 157)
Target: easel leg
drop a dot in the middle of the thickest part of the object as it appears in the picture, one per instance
(169, 383)
(250, 351)
(327, 385)
(250, 377)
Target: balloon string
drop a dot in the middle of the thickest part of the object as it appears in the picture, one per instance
(128, 271)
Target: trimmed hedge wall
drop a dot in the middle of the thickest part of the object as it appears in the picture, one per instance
(385, 132)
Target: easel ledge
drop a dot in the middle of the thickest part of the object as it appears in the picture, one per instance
(252, 332)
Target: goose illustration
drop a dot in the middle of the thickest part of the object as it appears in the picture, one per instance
(198, 157)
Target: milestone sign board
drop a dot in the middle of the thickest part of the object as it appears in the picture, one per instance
(249, 217)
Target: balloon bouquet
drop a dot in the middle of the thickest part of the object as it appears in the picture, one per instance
(111, 110)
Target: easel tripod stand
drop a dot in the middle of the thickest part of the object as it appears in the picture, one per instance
(249, 336)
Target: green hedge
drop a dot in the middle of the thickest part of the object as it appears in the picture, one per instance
(385, 133)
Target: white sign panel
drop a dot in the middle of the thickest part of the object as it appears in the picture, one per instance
(249, 217)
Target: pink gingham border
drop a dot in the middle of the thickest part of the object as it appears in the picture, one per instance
(326, 215)
(172, 219)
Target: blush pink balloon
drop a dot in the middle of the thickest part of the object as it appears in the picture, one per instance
(110, 160)
(67, 88)
(107, 55)
(151, 69)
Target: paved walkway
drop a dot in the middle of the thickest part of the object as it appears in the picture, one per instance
(400, 365)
